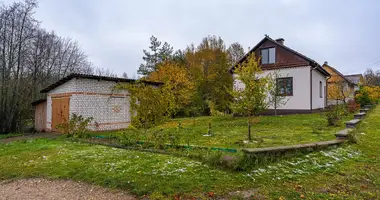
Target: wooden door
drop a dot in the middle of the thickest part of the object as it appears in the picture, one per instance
(60, 111)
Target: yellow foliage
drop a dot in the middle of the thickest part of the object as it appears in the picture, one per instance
(176, 78)
(339, 91)
(373, 92)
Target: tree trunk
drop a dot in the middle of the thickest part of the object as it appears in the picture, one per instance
(275, 106)
(249, 129)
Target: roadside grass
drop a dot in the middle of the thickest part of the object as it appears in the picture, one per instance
(231, 131)
(10, 135)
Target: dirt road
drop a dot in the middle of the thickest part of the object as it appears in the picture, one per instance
(57, 189)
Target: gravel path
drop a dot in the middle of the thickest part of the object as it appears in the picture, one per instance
(57, 189)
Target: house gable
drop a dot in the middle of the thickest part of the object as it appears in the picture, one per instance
(285, 57)
(336, 76)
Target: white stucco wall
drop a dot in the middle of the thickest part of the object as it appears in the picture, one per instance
(318, 101)
(109, 108)
(301, 87)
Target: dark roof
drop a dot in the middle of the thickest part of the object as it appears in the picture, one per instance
(355, 78)
(340, 74)
(311, 61)
(34, 103)
(87, 76)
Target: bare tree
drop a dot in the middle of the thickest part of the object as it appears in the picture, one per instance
(104, 72)
(372, 77)
(30, 59)
(275, 98)
(235, 53)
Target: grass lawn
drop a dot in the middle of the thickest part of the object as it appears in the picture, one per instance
(232, 131)
(10, 135)
(348, 172)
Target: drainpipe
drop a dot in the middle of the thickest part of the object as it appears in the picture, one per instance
(327, 87)
(311, 88)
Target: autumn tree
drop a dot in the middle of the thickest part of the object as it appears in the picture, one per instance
(150, 104)
(208, 66)
(339, 90)
(235, 53)
(250, 100)
(275, 98)
(176, 81)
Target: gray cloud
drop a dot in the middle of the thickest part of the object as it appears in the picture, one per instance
(113, 33)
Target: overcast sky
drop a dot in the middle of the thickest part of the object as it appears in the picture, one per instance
(114, 32)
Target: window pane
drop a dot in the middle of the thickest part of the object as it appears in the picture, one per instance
(289, 86)
(272, 55)
(280, 86)
(264, 56)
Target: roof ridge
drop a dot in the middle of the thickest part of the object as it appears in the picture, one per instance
(90, 76)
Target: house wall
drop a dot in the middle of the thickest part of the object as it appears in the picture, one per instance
(318, 102)
(301, 87)
(40, 117)
(109, 108)
(334, 96)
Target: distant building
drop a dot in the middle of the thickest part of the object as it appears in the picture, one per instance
(340, 89)
(357, 79)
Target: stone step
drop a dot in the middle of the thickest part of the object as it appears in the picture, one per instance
(359, 115)
(352, 123)
(292, 147)
(364, 110)
(368, 106)
(343, 134)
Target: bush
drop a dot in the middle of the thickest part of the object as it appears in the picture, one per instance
(76, 126)
(352, 106)
(362, 97)
(353, 137)
(129, 136)
(334, 115)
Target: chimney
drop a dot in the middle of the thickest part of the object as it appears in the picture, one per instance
(280, 40)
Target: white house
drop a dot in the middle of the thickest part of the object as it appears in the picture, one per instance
(86, 95)
(303, 80)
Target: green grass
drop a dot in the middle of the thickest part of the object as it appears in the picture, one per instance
(140, 172)
(357, 178)
(10, 135)
(232, 131)
(348, 172)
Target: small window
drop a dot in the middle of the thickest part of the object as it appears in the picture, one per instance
(285, 86)
(268, 56)
(320, 89)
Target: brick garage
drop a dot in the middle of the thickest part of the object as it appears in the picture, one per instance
(89, 96)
